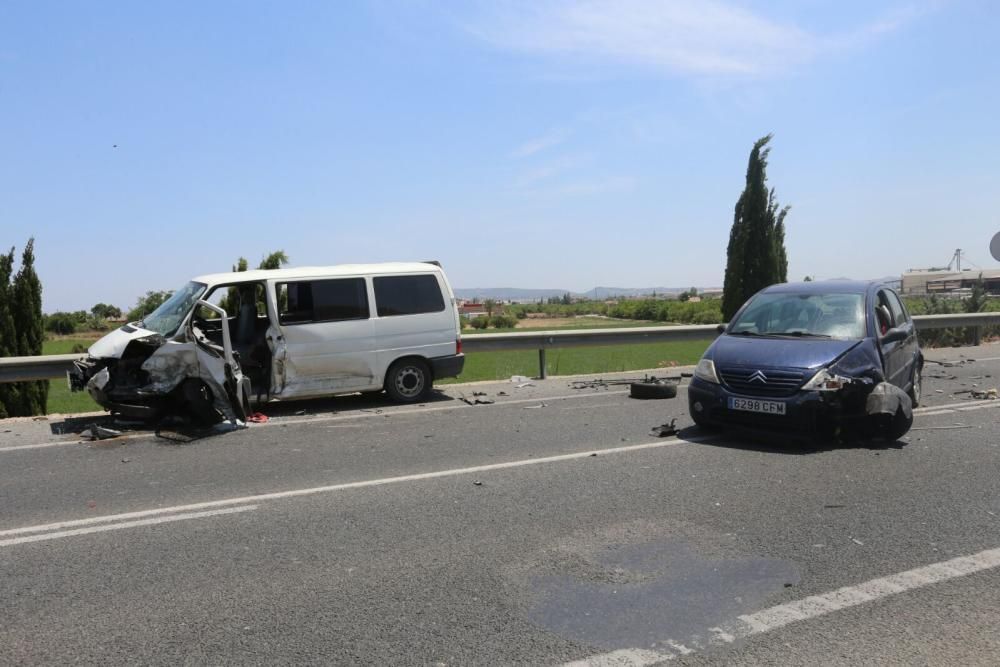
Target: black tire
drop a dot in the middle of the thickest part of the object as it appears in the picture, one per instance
(408, 381)
(897, 426)
(916, 385)
(649, 390)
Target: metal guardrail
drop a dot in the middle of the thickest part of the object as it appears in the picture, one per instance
(17, 369)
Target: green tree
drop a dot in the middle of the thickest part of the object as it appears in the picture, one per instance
(147, 304)
(60, 323)
(976, 302)
(105, 311)
(275, 260)
(27, 308)
(489, 305)
(10, 395)
(755, 256)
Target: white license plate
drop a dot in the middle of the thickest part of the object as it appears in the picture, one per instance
(754, 405)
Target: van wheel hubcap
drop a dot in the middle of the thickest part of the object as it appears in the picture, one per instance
(409, 381)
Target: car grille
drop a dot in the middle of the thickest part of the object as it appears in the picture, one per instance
(768, 382)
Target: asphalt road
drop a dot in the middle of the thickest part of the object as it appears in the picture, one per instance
(362, 533)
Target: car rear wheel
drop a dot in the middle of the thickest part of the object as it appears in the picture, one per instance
(408, 381)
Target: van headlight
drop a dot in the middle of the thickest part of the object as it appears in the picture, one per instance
(706, 371)
(826, 381)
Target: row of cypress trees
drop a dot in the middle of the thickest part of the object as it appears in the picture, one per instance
(21, 331)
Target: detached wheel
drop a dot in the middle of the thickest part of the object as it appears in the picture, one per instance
(408, 381)
(648, 390)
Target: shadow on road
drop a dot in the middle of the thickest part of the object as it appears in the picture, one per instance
(783, 443)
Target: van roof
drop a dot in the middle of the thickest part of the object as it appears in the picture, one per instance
(317, 272)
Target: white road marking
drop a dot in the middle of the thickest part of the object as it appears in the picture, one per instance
(55, 535)
(778, 616)
(277, 495)
(457, 405)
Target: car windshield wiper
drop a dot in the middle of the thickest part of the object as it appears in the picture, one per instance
(747, 333)
(799, 334)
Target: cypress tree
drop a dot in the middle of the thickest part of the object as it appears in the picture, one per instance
(10, 396)
(27, 304)
(755, 257)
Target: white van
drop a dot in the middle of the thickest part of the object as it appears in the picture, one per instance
(227, 339)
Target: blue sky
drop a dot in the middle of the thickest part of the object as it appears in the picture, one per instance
(534, 144)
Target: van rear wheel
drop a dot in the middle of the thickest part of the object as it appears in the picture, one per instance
(408, 381)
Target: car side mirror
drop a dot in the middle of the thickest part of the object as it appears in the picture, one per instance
(894, 336)
(721, 328)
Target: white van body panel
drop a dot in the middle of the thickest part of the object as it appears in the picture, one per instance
(325, 358)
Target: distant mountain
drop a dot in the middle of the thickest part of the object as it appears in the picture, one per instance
(522, 294)
(507, 293)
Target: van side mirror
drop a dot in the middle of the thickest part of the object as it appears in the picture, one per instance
(721, 328)
(894, 336)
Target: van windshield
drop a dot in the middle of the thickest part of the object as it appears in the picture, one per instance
(165, 319)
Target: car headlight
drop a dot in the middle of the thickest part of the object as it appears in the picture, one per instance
(706, 371)
(826, 381)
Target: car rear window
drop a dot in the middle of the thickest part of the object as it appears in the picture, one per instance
(323, 301)
(408, 295)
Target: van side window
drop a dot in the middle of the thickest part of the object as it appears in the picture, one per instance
(408, 295)
(322, 301)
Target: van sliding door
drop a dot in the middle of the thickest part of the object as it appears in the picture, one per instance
(327, 329)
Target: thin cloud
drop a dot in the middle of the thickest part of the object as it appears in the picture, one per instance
(704, 37)
(539, 144)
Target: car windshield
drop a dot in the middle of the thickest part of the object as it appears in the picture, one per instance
(806, 315)
(165, 319)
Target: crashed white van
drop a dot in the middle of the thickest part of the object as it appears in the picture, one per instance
(226, 340)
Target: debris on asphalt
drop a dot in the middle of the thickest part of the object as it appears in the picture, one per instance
(535, 407)
(126, 460)
(300, 413)
(477, 483)
(259, 417)
(518, 379)
(477, 399)
(524, 384)
(665, 430)
(833, 507)
(102, 432)
(857, 541)
(502, 393)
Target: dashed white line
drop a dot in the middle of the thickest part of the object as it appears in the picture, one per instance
(58, 534)
(779, 616)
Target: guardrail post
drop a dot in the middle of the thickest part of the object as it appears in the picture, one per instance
(977, 333)
(541, 363)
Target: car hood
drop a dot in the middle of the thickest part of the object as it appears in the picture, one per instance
(777, 352)
(113, 345)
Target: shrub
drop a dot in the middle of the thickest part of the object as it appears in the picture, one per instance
(480, 322)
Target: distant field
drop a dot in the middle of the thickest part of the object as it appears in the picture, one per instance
(61, 399)
(580, 360)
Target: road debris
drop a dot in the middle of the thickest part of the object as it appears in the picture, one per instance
(535, 407)
(477, 483)
(656, 389)
(259, 417)
(102, 432)
(477, 399)
(665, 430)
(857, 541)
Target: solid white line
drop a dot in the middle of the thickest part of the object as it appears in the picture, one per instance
(278, 421)
(277, 495)
(124, 524)
(805, 609)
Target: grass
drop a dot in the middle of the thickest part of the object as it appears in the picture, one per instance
(61, 399)
(580, 360)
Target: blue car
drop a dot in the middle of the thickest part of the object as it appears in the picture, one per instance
(832, 357)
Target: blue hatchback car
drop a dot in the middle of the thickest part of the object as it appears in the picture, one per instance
(837, 357)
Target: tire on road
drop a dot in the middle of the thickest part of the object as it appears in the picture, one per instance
(916, 386)
(408, 381)
(898, 425)
(649, 390)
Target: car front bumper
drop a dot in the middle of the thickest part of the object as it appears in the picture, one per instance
(806, 412)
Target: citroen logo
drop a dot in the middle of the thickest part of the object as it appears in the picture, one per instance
(757, 376)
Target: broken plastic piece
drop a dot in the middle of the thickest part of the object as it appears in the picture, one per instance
(102, 433)
(665, 430)
(257, 418)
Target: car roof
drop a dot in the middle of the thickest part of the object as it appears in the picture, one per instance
(317, 272)
(824, 287)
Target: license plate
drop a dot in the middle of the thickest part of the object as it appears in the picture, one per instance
(754, 405)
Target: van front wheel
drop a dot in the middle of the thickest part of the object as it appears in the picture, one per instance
(408, 381)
